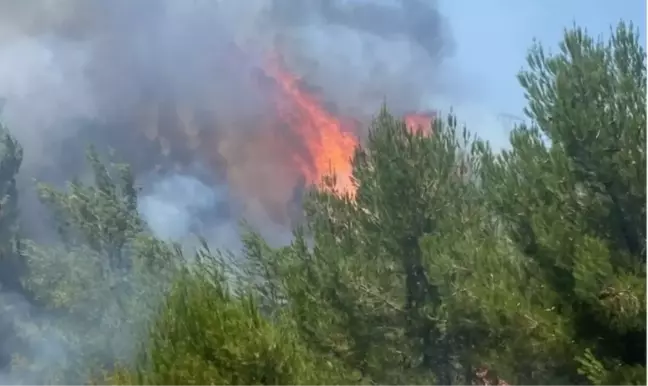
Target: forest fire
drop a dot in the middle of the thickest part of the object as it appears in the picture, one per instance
(420, 121)
(266, 154)
(329, 144)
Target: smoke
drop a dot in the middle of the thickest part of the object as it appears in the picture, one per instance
(184, 78)
(94, 317)
(364, 51)
(123, 62)
(180, 198)
(171, 84)
(47, 351)
(175, 210)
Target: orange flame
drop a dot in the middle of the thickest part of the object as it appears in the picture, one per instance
(329, 147)
(420, 121)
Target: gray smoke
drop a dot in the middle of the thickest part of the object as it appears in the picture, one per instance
(180, 198)
(110, 59)
(46, 352)
(175, 68)
(175, 209)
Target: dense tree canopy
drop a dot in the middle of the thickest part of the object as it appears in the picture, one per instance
(452, 263)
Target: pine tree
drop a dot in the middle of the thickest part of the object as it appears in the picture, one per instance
(571, 193)
(208, 333)
(132, 311)
(528, 265)
(12, 264)
(357, 279)
(100, 284)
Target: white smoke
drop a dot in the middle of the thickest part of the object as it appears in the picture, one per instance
(172, 210)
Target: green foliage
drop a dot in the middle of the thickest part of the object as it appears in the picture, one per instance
(101, 285)
(103, 215)
(576, 207)
(450, 264)
(11, 265)
(451, 258)
(363, 288)
(205, 334)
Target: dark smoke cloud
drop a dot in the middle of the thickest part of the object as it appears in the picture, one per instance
(416, 21)
(79, 71)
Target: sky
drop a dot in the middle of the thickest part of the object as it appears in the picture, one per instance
(492, 39)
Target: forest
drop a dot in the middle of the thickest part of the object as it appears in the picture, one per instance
(451, 263)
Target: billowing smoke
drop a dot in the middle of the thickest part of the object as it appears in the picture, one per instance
(179, 89)
(182, 199)
(175, 83)
(181, 206)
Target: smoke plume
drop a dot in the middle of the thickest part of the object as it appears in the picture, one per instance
(177, 83)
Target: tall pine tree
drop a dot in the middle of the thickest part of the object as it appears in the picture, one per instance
(571, 193)
(12, 265)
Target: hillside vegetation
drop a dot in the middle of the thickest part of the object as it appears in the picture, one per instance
(452, 264)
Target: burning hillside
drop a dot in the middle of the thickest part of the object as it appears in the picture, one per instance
(329, 144)
(266, 155)
(179, 87)
(297, 139)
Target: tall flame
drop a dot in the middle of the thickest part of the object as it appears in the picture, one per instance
(328, 145)
(419, 122)
(297, 141)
